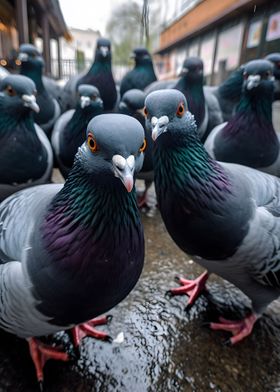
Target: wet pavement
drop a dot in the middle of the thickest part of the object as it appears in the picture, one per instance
(165, 347)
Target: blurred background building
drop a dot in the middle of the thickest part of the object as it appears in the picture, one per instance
(223, 33)
(27, 20)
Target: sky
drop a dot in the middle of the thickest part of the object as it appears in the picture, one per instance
(86, 14)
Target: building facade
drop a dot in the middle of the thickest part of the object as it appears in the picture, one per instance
(223, 33)
(24, 21)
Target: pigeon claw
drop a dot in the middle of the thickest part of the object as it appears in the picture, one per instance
(88, 329)
(192, 288)
(41, 353)
(239, 329)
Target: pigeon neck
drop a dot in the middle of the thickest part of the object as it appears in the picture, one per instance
(92, 209)
(10, 117)
(249, 137)
(193, 91)
(34, 73)
(231, 88)
(187, 169)
(261, 106)
(100, 64)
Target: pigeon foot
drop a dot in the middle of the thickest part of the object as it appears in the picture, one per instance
(192, 288)
(41, 353)
(88, 329)
(240, 329)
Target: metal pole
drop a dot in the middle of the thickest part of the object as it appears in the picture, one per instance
(22, 21)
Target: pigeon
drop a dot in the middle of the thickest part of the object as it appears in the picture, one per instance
(132, 104)
(225, 215)
(32, 64)
(26, 156)
(206, 109)
(143, 73)
(72, 252)
(249, 138)
(228, 93)
(99, 75)
(69, 132)
(275, 59)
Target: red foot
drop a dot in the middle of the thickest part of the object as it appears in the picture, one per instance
(240, 329)
(192, 288)
(87, 329)
(142, 200)
(41, 353)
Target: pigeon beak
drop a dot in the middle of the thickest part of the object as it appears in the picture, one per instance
(23, 57)
(184, 71)
(99, 102)
(122, 106)
(124, 170)
(84, 101)
(132, 56)
(159, 126)
(104, 50)
(253, 81)
(30, 102)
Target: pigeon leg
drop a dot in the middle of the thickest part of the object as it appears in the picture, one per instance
(41, 353)
(240, 329)
(192, 288)
(142, 201)
(88, 329)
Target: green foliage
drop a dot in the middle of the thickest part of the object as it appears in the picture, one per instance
(123, 29)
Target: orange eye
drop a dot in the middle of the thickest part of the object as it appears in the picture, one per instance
(10, 91)
(92, 143)
(143, 147)
(145, 111)
(180, 110)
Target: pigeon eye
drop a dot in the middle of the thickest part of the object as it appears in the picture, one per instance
(143, 147)
(180, 110)
(91, 142)
(10, 91)
(145, 110)
(93, 97)
(268, 74)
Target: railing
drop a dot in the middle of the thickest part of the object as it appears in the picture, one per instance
(71, 67)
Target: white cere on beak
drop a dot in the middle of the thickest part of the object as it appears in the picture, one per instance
(119, 161)
(159, 126)
(85, 101)
(30, 102)
(253, 81)
(23, 56)
(104, 50)
(131, 162)
(124, 170)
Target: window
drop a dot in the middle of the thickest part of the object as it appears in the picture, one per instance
(207, 53)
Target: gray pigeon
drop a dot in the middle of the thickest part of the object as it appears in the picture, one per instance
(249, 137)
(226, 216)
(32, 64)
(69, 131)
(72, 252)
(26, 156)
(274, 58)
(132, 104)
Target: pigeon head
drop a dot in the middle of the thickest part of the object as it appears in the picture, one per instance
(192, 69)
(167, 115)
(141, 56)
(103, 50)
(132, 100)
(30, 56)
(258, 77)
(275, 59)
(113, 150)
(18, 93)
(89, 97)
